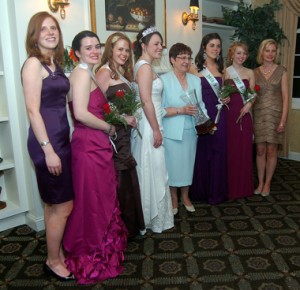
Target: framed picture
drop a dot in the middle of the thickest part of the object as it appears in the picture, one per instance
(127, 16)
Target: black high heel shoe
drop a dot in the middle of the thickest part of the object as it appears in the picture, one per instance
(50, 272)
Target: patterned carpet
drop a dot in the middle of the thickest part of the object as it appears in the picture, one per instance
(251, 243)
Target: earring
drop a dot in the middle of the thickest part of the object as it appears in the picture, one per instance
(204, 55)
(218, 57)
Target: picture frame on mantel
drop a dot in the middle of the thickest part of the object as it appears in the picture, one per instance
(100, 25)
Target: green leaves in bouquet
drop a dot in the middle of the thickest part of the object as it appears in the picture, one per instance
(227, 91)
(126, 102)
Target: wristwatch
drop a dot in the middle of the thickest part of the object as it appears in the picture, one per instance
(44, 143)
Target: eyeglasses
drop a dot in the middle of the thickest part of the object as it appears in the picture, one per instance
(185, 58)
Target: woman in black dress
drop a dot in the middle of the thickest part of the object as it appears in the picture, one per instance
(115, 74)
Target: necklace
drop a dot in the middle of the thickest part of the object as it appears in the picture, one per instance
(265, 72)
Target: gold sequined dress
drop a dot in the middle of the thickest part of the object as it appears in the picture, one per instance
(267, 109)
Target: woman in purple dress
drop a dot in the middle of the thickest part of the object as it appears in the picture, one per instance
(239, 123)
(45, 87)
(115, 74)
(95, 236)
(210, 178)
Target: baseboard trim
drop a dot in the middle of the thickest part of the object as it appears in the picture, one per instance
(36, 224)
(12, 221)
(294, 156)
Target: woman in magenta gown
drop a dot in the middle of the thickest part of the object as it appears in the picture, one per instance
(210, 178)
(95, 236)
(239, 124)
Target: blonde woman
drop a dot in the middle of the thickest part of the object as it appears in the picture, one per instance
(270, 113)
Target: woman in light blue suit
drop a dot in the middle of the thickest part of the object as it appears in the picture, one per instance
(180, 137)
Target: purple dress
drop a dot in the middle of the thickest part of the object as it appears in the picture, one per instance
(95, 236)
(239, 144)
(210, 170)
(53, 189)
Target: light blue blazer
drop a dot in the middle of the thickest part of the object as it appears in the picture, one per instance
(172, 90)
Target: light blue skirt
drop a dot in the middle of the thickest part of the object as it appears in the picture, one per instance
(180, 158)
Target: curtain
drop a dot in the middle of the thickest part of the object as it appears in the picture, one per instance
(287, 17)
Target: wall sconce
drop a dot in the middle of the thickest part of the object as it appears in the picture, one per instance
(54, 5)
(194, 7)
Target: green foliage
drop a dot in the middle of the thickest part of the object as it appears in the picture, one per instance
(254, 25)
(227, 91)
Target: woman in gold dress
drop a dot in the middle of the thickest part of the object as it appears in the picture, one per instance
(270, 113)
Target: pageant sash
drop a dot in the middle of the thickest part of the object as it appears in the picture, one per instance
(238, 81)
(216, 88)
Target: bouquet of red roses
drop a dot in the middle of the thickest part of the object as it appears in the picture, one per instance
(125, 103)
(112, 115)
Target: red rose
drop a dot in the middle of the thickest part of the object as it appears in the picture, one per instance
(106, 108)
(120, 94)
(257, 88)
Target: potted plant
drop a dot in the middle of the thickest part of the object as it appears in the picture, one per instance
(254, 25)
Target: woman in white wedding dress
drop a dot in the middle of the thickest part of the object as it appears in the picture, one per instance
(148, 151)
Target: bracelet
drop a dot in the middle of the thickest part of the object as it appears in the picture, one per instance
(177, 111)
(44, 143)
(109, 129)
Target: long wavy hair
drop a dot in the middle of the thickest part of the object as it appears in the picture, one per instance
(199, 60)
(107, 57)
(32, 37)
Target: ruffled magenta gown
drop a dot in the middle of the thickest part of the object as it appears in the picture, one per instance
(95, 237)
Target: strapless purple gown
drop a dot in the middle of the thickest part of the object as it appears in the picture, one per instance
(53, 189)
(95, 237)
(239, 144)
(210, 171)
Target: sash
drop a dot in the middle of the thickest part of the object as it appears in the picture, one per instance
(212, 81)
(85, 66)
(238, 81)
(241, 87)
(131, 87)
(216, 88)
(122, 78)
(126, 81)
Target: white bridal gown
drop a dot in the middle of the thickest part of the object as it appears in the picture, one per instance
(151, 168)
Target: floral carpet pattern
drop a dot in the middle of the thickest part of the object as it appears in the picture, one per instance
(251, 243)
